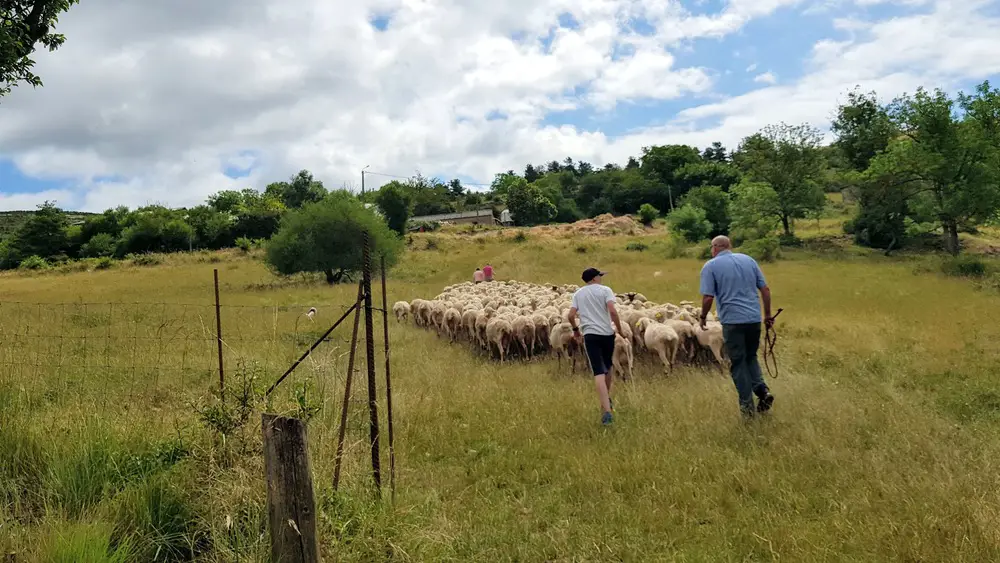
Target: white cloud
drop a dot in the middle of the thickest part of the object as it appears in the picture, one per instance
(766, 78)
(150, 102)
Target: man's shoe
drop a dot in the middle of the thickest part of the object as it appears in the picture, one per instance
(765, 403)
(606, 419)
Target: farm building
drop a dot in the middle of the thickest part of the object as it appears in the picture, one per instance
(475, 217)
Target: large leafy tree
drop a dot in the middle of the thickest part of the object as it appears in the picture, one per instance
(25, 24)
(863, 129)
(946, 161)
(528, 204)
(394, 201)
(787, 157)
(43, 234)
(326, 236)
(661, 163)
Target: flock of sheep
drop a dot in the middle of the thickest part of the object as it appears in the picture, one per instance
(516, 318)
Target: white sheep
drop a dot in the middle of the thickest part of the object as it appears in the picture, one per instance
(661, 339)
(623, 351)
(401, 309)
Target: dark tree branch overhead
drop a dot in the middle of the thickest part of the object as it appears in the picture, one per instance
(23, 25)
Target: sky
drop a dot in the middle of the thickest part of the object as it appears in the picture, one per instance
(169, 101)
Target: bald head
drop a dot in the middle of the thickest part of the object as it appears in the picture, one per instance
(722, 242)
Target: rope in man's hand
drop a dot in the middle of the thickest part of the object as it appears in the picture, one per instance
(770, 339)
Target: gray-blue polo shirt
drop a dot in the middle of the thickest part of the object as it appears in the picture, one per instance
(733, 279)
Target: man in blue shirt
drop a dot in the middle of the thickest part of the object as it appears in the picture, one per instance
(733, 280)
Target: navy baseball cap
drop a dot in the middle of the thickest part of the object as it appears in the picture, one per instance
(591, 273)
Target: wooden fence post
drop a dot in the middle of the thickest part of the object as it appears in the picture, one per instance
(291, 508)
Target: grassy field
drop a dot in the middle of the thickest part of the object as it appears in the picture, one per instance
(883, 444)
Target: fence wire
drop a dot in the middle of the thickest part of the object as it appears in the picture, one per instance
(109, 352)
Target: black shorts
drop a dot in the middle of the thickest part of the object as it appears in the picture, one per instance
(600, 349)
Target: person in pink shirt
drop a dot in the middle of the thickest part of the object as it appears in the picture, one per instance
(478, 276)
(488, 273)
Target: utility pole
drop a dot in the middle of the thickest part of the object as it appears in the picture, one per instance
(363, 179)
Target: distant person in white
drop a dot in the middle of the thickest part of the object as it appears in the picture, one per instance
(594, 305)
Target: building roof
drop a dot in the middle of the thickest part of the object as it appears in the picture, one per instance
(453, 216)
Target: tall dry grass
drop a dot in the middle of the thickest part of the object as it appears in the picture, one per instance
(881, 447)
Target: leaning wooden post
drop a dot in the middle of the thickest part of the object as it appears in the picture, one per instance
(347, 390)
(291, 508)
(388, 386)
(366, 280)
(218, 337)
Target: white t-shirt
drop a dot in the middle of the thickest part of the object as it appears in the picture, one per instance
(591, 302)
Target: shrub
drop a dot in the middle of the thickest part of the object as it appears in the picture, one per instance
(145, 259)
(244, 244)
(689, 222)
(965, 266)
(104, 263)
(520, 237)
(648, 214)
(715, 202)
(582, 249)
(789, 240)
(34, 262)
(431, 244)
(767, 249)
(394, 201)
(636, 246)
(100, 245)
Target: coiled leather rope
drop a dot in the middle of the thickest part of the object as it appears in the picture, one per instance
(770, 339)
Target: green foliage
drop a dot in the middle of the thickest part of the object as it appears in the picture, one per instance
(23, 25)
(158, 519)
(965, 266)
(527, 204)
(155, 229)
(946, 165)
(244, 244)
(648, 214)
(327, 236)
(75, 542)
(394, 201)
(863, 129)
(146, 259)
(661, 164)
(697, 174)
(34, 262)
(101, 245)
(715, 202)
(788, 158)
(755, 210)
(767, 249)
(636, 246)
(689, 222)
(521, 236)
(104, 263)
(43, 235)
(297, 191)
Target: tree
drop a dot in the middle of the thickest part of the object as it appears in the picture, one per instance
(527, 204)
(23, 25)
(715, 202)
(212, 229)
(648, 214)
(43, 234)
(708, 173)
(786, 157)
(661, 164)
(326, 236)
(531, 173)
(946, 162)
(715, 153)
(502, 182)
(298, 191)
(455, 188)
(863, 129)
(755, 210)
(689, 222)
(394, 201)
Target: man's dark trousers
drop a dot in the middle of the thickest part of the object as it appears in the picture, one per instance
(742, 342)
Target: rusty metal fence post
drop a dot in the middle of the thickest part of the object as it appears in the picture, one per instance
(370, 353)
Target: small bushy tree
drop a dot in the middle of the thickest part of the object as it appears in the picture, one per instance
(648, 214)
(528, 204)
(689, 222)
(715, 202)
(326, 236)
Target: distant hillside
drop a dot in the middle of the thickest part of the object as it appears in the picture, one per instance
(10, 221)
